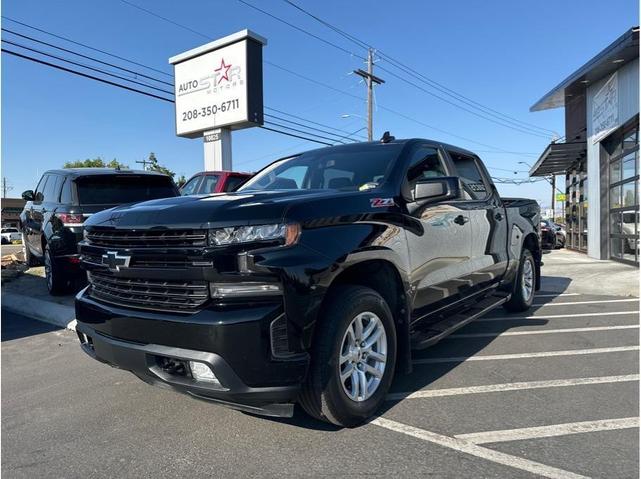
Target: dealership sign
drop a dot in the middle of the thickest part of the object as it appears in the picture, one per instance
(605, 109)
(219, 85)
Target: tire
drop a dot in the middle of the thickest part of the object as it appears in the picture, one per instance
(4, 241)
(29, 259)
(57, 281)
(324, 396)
(522, 297)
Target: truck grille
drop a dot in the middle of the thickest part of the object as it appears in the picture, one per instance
(147, 238)
(181, 296)
(141, 261)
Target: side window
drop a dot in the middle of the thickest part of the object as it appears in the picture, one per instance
(474, 185)
(190, 186)
(39, 195)
(233, 182)
(426, 163)
(209, 184)
(50, 190)
(65, 194)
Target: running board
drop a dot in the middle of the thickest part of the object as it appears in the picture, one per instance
(424, 338)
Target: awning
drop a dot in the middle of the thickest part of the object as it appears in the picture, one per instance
(558, 158)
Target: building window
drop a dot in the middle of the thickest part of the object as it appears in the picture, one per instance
(576, 207)
(622, 150)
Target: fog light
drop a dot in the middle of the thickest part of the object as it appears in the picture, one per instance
(235, 290)
(202, 372)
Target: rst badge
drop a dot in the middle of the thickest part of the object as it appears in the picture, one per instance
(381, 202)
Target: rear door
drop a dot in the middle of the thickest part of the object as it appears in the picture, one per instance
(439, 252)
(488, 258)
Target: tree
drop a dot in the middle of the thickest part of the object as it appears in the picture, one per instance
(155, 166)
(97, 162)
(181, 181)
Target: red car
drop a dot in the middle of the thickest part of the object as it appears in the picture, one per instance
(207, 182)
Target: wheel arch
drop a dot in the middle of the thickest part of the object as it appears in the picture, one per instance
(382, 276)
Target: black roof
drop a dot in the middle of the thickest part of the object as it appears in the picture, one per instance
(399, 141)
(77, 172)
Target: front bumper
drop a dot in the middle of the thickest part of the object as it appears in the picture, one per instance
(234, 344)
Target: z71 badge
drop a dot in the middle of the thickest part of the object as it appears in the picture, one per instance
(381, 202)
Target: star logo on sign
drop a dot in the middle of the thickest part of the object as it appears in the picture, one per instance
(223, 68)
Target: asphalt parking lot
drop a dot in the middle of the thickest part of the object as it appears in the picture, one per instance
(553, 394)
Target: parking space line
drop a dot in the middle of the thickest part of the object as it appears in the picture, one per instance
(543, 331)
(558, 316)
(519, 386)
(542, 354)
(549, 431)
(572, 303)
(472, 449)
(556, 295)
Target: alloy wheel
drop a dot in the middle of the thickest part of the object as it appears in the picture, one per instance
(363, 356)
(527, 280)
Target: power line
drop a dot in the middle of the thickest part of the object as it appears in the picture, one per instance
(82, 65)
(433, 83)
(102, 80)
(85, 56)
(301, 124)
(307, 120)
(87, 46)
(321, 83)
(75, 72)
(327, 42)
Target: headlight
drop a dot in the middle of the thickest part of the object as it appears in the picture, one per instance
(287, 233)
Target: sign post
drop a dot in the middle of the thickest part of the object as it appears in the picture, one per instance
(219, 88)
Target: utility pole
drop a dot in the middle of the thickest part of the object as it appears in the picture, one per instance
(553, 183)
(370, 80)
(5, 187)
(143, 163)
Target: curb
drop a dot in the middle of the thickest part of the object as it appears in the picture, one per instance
(46, 311)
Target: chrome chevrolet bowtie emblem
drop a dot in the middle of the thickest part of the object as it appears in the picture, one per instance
(114, 261)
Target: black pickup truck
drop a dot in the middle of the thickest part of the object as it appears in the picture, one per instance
(312, 283)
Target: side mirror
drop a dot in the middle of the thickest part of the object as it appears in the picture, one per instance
(27, 195)
(437, 189)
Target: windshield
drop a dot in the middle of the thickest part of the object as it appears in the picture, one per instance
(121, 189)
(348, 169)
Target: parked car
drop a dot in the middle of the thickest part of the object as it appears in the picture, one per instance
(52, 219)
(560, 235)
(207, 182)
(548, 234)
(10, 234)
(311, 283)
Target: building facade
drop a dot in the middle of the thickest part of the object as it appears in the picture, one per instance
(600, 155)
(11, 209)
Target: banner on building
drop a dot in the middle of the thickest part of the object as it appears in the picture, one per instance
(605, 109)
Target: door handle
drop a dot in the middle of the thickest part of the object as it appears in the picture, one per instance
(498, 216)
(461, 220)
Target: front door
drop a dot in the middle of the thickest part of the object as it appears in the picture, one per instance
(489, 260)
(439, 250)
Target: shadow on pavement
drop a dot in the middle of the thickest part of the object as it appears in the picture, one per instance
(16, 326)
(425, 374)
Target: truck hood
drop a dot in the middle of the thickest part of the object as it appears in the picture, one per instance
(210, 211)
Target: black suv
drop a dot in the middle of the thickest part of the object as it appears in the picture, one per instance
(312, 282)
(52, 219)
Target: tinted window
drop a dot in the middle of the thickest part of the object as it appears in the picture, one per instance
(49, 193)
(209, 184)
(121, 189)
(38, 195)
(190, 187)
(65, 194)
(361, 167)
(233, 182)
(470, 174)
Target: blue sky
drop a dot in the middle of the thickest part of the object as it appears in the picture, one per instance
(503, 54)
